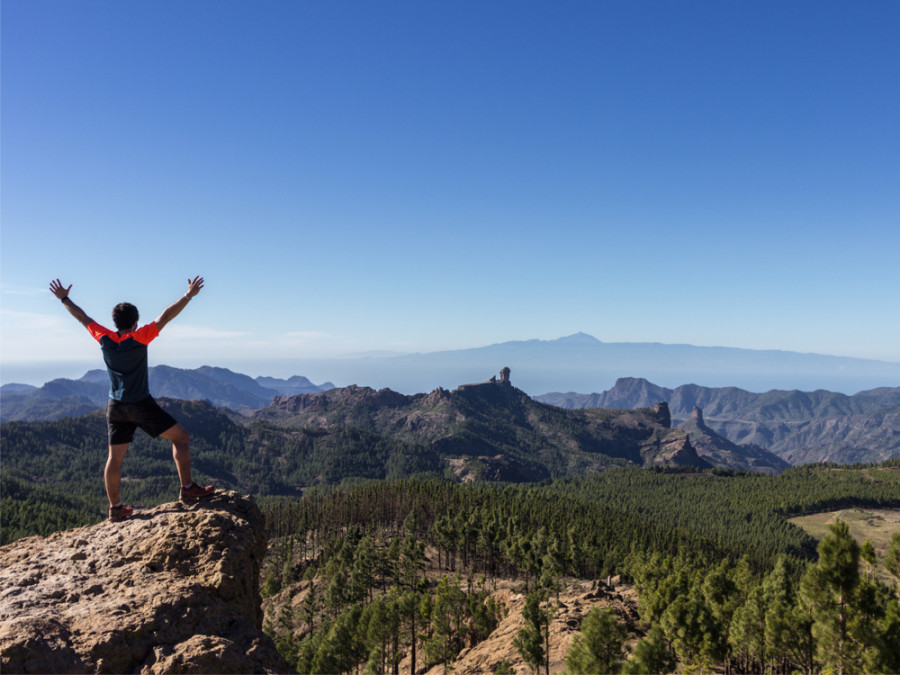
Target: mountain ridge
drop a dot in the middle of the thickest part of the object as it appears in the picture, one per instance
(490, 420)
(797, 426)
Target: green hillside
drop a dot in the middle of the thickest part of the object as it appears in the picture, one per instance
(726, 581)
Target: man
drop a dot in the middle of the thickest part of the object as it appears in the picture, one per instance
(130, 404)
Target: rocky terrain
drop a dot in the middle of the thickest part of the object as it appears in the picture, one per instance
(568, 609)
(173, 590)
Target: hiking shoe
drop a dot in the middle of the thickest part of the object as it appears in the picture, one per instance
(195, 493)
(120, 512)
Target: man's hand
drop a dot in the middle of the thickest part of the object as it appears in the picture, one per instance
(173, 310)
(62, 293)
(59, 290)
(194, 286)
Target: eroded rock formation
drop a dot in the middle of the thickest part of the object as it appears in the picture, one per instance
(173, 590)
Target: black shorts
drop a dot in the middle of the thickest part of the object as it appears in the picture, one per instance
(123, 418)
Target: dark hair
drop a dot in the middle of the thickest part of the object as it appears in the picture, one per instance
(125, 315)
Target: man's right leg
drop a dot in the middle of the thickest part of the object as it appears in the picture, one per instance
(112, 475)
(181, 453)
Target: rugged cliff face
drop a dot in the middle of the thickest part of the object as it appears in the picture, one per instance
(173, 590)
(721, 452)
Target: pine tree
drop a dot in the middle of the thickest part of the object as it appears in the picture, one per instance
(867, 554)
(599, 647)
(310, 603)
(870, 627)
(892, 559)
(362, 572)
(788, 635)
(693, 629)
(828, 589)
(306, 653)
(339, 651)
(447, 616)
(530, 640)
(411, 562)
(747, 633)
(890, 638)
(381, 624)
(651, 655)
(270, 587)
(722, 596)
(336, 592)
(410, 613)
(483, 615)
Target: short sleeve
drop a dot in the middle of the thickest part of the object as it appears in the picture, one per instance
(97, 331)
(146, 334)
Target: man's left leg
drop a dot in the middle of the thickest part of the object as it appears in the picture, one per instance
(112, 477)
(112, 474)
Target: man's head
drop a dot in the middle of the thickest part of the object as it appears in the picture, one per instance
(125, 316)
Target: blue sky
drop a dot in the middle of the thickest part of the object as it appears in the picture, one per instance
(417, 176)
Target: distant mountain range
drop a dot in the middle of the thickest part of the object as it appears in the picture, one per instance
(799, 427)
(796, 426)
(221, 387)
(581, 362)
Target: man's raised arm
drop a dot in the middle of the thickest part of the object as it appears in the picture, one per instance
(62, 292)
(173, 310)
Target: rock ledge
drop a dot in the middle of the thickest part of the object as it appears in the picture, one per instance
(173, 590)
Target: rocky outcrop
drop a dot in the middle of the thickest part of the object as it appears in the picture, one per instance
(697, 416)
(504, 380)
(722, 453)
(673, 451)
(662, 414)
(173, 590)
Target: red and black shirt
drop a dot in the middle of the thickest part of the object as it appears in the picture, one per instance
(126, 360)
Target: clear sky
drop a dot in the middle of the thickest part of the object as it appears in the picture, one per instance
(418, 176)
